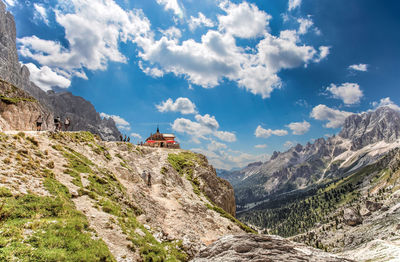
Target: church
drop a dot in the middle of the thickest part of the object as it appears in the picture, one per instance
(161, 140)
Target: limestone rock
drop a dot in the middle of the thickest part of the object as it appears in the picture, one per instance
(250, 247)
(352, 217)
(373, 206)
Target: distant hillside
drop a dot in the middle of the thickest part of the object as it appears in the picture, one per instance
(323, 190)
(81, 112)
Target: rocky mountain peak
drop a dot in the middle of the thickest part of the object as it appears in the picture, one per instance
(370, 127)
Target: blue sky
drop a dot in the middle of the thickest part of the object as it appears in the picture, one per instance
(235, 80)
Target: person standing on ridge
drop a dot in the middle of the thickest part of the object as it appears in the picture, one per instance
(39, 122)
(120, 138)
(129, 139)
(149, 179)
(67, 122)
(125, 138)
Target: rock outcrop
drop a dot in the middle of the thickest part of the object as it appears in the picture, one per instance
(352, 217)
(261, 248)
(64, 104)
(367, 128)
(19, 111)
(217, 189)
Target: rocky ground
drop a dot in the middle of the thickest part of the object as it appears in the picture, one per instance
(170, 209)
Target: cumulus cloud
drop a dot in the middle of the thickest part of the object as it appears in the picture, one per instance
(243, 20)
(304, 25)
(181, 104)
(93, 30)
(293, 4)
(299, 128)
(172, 5)
(359, 67)
(204, 127)
(349, 93)
(334, 117)
(386, 102)
(135, 135)
(324, 51)
(265, 133)
(45, 78)
(261, 146)
(40, 13)
(119, 121)
(200, 20)
(289, 144)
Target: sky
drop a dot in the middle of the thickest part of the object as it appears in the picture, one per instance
(234, 80)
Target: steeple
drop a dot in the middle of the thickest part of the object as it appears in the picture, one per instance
(158, 130)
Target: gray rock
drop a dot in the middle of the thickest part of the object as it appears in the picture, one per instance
(373, 206)
(352, 217)
(251, 247)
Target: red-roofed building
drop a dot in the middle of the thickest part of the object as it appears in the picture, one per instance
(161, 140)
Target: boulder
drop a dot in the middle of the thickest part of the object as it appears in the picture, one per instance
(352, 217)
(373, 206)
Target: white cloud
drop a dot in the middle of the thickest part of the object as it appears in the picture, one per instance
(305, 25)
(265, 133)
(172, 5)
(359, 67)
(181, 104)
(293, 4)
(289, 144)
(299, 128)
(93, 30)
(40, 13)
(349, 93)
(334, 117)
(45, 78)
(204, 127)
(324, 51)
(386, 102)
(136, 135)
(172, 33)
(243, 20)
(119, 121)
(261, 146)
(200, 20)
(10, 2)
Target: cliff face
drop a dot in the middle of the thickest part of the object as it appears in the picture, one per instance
(19, 111)
(71, 177)
(81, 112)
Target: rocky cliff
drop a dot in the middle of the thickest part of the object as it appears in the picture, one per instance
(19, 111)
(81, 112)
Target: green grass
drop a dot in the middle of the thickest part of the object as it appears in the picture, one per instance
(42, 228)
(15, 100)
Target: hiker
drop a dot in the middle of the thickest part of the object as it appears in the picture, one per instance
(57, 123)
(39, 122)
(144, 175)
(129, 139)
(120, 138)
(125, 138)
(149, 179)
(67, 122)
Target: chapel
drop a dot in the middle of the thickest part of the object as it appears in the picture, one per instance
(161, 140)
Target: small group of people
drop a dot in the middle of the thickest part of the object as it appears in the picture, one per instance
(124, 139)
(147, 177)
(58, 123)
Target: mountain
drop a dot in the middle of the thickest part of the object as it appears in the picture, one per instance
(362, 140)
(81, 112)
(339, 194)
